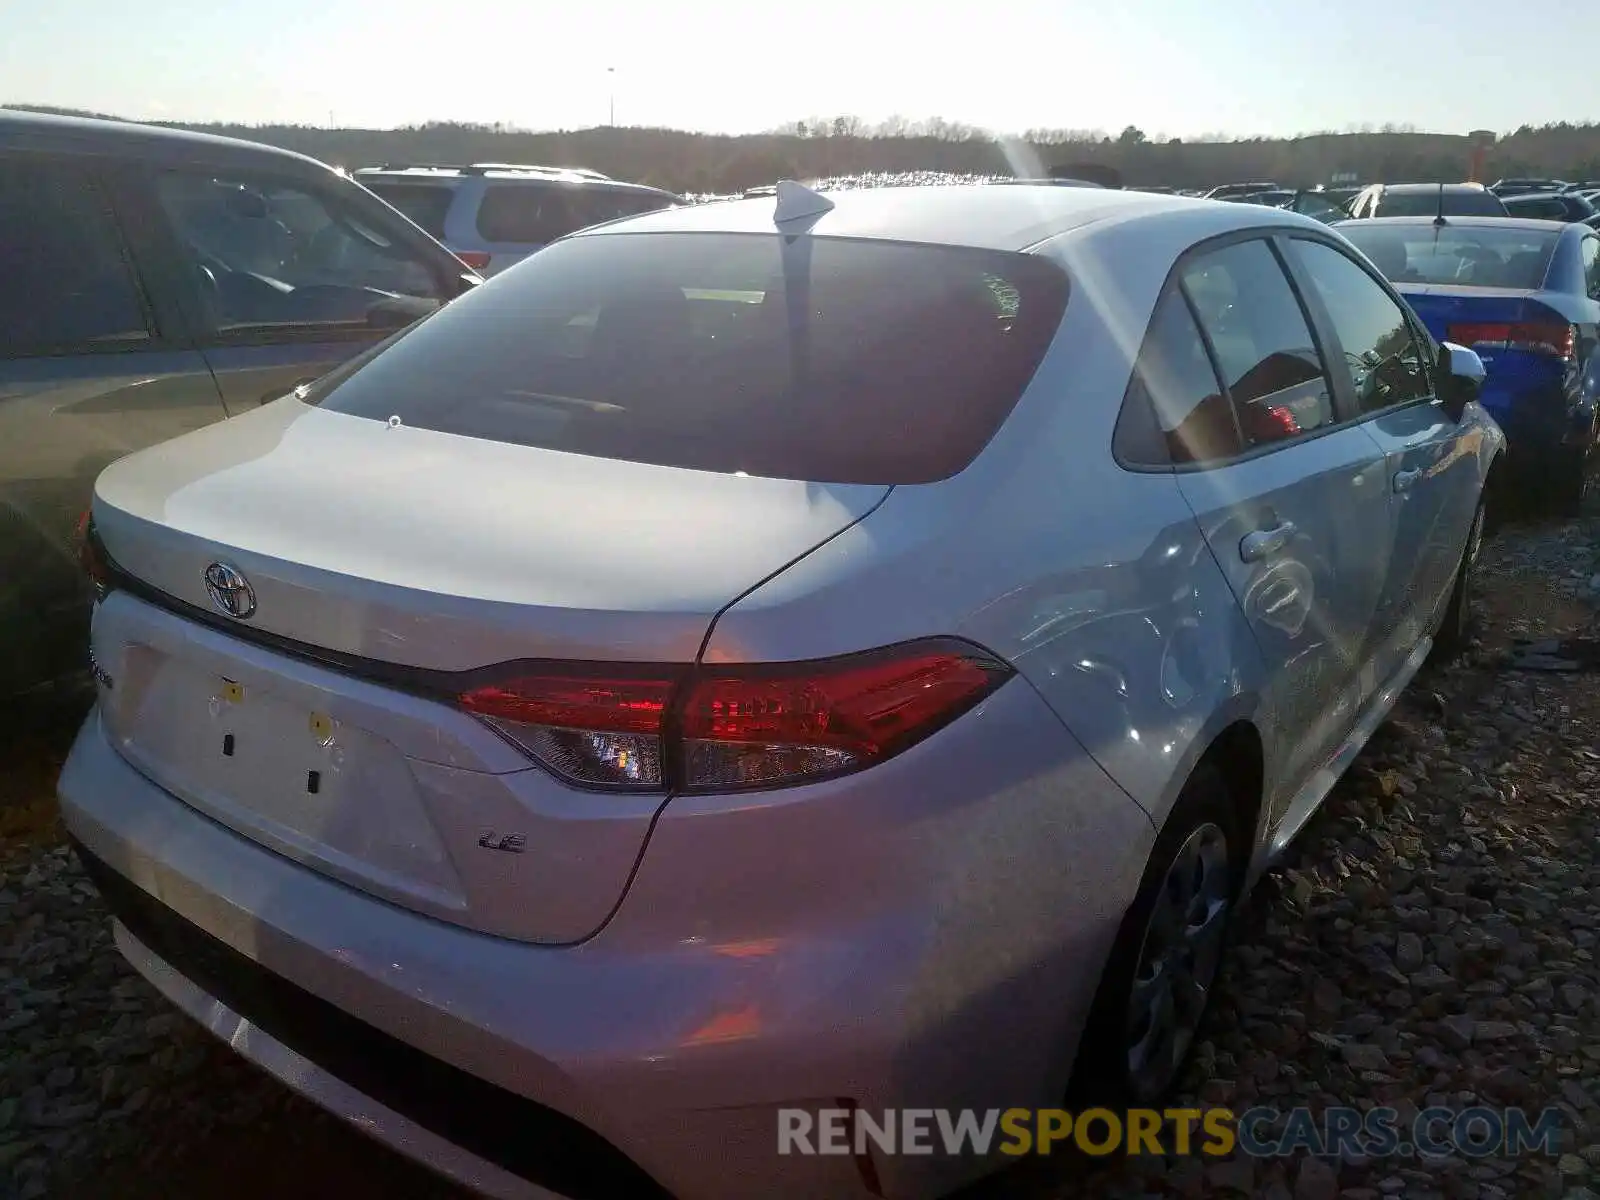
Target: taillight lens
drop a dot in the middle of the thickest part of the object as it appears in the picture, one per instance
(729, 728)
(476, 259)
(759, 726)
(92, 557)
(1537, 337)
(598, 730)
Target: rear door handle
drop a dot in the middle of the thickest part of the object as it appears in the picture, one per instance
(1264, 542)
(1404, 481)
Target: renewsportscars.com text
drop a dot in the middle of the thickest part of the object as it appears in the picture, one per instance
(1473, 1132)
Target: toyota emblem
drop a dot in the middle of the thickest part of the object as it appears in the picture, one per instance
(230, 591)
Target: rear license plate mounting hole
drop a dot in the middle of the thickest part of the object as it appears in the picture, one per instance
(227, 745)
(313, 782)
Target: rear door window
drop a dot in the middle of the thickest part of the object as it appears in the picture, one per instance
(65, 281)
(540, 213)
(822, 359)
(1262, 342)
(1175, 410)
(426, 204)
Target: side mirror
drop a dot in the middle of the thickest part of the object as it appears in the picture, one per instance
(1461, 376)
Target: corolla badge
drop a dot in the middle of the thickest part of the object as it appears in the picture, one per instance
(230, 591)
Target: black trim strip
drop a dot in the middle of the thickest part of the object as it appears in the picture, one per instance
(428, 682)
(514, 1133)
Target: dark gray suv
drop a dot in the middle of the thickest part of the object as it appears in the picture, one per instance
(151, 282)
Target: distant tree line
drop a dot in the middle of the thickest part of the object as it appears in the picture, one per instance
(823, 146)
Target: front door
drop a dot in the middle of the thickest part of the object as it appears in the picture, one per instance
(288, 279)
(1432, 475)
(91, 368)
(1298, 519)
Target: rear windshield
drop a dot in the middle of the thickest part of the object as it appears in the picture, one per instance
(541, 213)
(1426, 204)
(1469, 255)
(425, 203)
(829, 360)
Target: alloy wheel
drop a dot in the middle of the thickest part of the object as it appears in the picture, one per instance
(1178, 959)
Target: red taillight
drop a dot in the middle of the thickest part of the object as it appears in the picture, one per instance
(476, 259)
(92, 556)
(758, 726)
(1536, 337)
(744, 726)
(600, 730)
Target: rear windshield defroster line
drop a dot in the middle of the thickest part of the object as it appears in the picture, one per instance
(830, 360)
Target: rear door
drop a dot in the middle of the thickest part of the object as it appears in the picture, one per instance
(1386, 363)
(93, 365)
(1297, 513)
(285, 278)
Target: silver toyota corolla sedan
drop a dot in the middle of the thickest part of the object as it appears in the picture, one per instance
(791, 652)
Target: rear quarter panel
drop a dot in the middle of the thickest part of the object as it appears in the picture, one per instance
(1093, 580)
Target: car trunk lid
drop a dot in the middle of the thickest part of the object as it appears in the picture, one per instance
(391, 568)
(1519, 334)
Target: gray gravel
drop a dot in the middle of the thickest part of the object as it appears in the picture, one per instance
(1432, 940)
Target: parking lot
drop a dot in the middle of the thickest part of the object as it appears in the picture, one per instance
(1432, 939)
(931, 665)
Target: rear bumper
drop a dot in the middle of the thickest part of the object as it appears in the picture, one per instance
(664, 1046)
(1541, 421)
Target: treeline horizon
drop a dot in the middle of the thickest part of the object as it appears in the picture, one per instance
(826, 147)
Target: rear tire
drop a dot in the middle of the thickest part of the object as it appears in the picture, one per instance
(1570, 481)
(1455, 630)
(1166, 960)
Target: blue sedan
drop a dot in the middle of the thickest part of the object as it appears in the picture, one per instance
(1525, 295)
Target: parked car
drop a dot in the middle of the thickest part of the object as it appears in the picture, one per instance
(151, 282)
(494, 214)
(1312, 204)
(1550, 206)
(1275, 198)
(634, 701)
(1526, 295)
(1523, 186)
(1343, 195)
(1226, 191)
(1426, 199)
(1054, 181)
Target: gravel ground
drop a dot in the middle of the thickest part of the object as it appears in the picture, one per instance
(1432, 940)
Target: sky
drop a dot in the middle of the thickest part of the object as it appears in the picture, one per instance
(1179, 68)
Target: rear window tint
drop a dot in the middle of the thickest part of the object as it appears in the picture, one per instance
(541, 213)
(1486, 255)
(424, 203)
(829, 360)
(1550, 208)
(1426, 204)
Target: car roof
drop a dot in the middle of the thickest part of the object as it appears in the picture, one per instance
(92, 136)
(975, 215)
(1475, 221)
